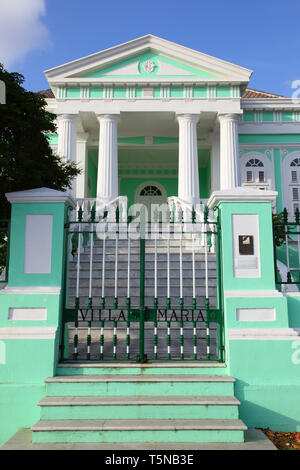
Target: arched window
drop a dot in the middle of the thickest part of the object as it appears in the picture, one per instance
(255, 172)
(294, 183)
(150, 191)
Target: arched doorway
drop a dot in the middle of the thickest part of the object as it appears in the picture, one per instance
(149, 193)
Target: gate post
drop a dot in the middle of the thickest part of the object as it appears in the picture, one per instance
(31, 303)
(258, 336)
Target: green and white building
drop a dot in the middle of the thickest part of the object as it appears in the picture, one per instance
(157, 300)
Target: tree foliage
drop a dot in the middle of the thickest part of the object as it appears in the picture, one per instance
(26, 158)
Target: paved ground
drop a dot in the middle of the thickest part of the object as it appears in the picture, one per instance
(254, 440)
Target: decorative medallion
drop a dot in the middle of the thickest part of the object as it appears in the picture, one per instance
(149, 66)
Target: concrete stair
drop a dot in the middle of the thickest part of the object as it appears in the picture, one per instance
(139, 403)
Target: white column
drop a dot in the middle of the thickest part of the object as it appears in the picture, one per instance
(82, 156)
(229, 152)
(67, 137)
(188, 173)
(107, 182)
(215, 161)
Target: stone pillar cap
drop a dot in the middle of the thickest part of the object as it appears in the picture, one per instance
(42, 195)
(241, 194)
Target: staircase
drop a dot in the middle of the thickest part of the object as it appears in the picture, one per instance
(122, 276)
(130, 403)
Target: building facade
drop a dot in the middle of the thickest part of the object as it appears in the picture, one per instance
(150, 119)
(184, 330)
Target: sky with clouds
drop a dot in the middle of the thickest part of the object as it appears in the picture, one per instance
(262, 35)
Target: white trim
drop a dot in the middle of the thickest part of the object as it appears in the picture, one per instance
(266, 334)
(251, 294)
(27, 314)
(241, 194)
(255, 314)
(105, 58)
(39, 195)
(35, 332)
(42, 290)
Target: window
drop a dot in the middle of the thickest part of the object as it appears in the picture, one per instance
(150, 191)
(256, 175)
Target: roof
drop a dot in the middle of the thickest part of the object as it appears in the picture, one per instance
(249, 93)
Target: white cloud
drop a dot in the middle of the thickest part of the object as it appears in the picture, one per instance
(21, 29)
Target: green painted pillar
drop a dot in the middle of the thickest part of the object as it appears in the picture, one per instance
(260, 342)
(31, 303)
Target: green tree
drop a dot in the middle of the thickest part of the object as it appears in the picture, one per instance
(26, 158)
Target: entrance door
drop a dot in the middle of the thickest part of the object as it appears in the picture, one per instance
(150, 193)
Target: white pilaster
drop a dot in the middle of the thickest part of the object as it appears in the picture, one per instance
(107, 182)
(229, 152)
(82, 161)
(188, 173)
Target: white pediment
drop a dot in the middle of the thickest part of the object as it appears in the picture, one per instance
(148, 59)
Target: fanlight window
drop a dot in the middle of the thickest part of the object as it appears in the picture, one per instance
(254, 175)
(254, 162)
(296, 162)
(150, 191)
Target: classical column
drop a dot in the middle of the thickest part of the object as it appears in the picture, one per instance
(67, 137)
(82, 155)
(107, 181)
(188, 173)
(229, 152)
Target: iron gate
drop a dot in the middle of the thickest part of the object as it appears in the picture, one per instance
(142, 292)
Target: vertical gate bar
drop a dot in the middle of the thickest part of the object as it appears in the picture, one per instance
(88, 342)
(90, 301)
(195, 339)
(169, 339)
(116, 270)
(207, 339)
(101, 339)
(181, 341)
(75, 354)
(194, 304)
(78, 267)
(155, 340)
(285, 215)
(155, 271)
(168, 270)
(180, 268)
(115, 339)
(128, 340)
(142, 300)
(220, 286)
(103, 273)
(128, 271)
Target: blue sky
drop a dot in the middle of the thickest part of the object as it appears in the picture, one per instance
(263, 36)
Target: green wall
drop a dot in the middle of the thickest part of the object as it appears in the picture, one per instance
(149, 164)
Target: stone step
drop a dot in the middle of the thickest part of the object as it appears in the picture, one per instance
(135, 407)
(149, 292)
(139, 385)
(149, 368)
(123, 273)
(147, 430)
(149, 257)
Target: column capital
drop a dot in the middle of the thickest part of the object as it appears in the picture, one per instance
(188, 117)
(228, 117)
(108, 117)
(67, 117)
(82, 136)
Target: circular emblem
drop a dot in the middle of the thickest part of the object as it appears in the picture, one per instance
(149, 66)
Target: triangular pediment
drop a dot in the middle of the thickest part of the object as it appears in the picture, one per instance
(151, 65)
(148, 58)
